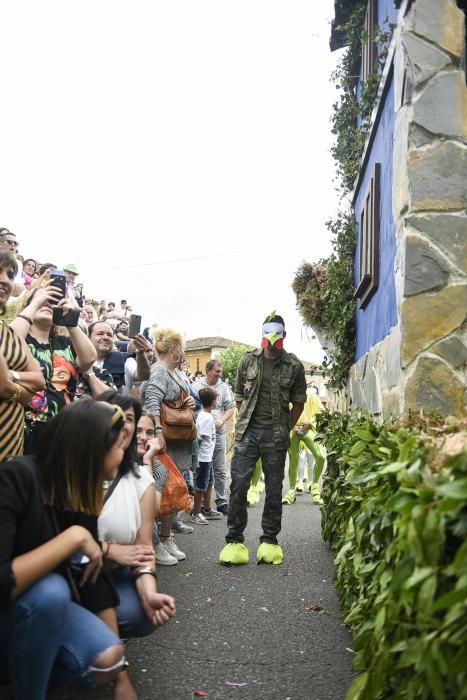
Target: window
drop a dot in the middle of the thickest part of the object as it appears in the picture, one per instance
(369, 46)
(369, 241)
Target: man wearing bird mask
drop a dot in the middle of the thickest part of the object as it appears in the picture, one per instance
(269, 381)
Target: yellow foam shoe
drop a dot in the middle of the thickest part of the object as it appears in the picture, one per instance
(252, 496)
(289, 498)
(269, 554)
(234, 553)
(315, 494)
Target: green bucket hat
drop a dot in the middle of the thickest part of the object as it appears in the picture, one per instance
(71, 267)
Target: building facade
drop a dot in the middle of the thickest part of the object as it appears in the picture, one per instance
(200, 350)
(410, 208)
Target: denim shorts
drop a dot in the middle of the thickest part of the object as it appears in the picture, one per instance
(204, 476)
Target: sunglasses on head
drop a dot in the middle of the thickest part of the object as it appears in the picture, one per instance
(117, 414)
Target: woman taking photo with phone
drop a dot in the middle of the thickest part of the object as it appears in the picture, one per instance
(20, 375)
(48, 509)
(61, 353)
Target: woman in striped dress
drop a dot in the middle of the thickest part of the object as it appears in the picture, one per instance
(20, 374)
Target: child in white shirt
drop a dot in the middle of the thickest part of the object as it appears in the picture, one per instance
(206, 430)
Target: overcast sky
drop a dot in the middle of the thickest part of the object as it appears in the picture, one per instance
(176, 152)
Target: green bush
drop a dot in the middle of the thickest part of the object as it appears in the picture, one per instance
(395, 513)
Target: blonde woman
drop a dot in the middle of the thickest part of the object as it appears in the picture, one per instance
(166, 383)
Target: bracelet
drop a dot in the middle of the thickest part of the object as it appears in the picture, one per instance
(25, 318)
(104, 554)
(158, 429)
(144, 570)
(16, 395)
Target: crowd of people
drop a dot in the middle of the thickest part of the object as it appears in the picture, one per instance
(97, 427)
(81, 476)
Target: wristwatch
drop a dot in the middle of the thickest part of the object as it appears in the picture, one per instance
(14, 376)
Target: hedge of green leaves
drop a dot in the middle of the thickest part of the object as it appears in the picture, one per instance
(395, 514)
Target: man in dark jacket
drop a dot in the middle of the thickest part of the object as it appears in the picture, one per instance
(269, 381)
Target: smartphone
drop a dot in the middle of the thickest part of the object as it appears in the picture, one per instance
(70, 320)
(135, 325)
(58, 280)
(79, 559)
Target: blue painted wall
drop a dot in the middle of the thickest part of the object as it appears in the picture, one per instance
(375, 321)
(387, 13)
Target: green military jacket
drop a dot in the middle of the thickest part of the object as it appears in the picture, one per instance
(288, 386)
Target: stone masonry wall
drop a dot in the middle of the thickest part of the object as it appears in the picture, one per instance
(421, 364)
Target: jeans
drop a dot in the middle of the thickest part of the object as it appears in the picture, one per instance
(256, 443)
(132, 621)
(188, 476)
(46, 638)
(220, 469)
(204, 476)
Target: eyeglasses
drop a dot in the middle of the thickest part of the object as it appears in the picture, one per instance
(10, 241)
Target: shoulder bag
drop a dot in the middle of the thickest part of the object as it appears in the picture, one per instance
(176, 417)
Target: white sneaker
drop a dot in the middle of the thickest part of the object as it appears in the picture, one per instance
(180, 526)
(163, 557)
(173, 550)
(212, 514)
(199, 519)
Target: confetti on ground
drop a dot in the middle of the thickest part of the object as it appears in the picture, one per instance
(264, 609)
(236, 685)
(312, 606)
(289, 573)
(200, 693)
(231, 589)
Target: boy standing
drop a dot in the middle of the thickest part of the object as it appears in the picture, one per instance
(206, 431)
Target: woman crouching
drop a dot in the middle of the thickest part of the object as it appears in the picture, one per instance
(49, 552)
(125, 530)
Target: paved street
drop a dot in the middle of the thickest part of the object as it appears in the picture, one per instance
(248, 625)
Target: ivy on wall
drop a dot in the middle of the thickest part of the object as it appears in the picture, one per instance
(324, 290)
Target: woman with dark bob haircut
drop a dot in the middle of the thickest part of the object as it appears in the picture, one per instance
(125, 530)
(50, 560)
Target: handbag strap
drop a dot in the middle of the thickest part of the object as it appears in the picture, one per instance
(111, 488)
(184, 386)
(66, 566)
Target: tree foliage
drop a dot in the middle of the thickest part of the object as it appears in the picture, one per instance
(230, 359)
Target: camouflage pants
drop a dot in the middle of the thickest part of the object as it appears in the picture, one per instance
(256, 443)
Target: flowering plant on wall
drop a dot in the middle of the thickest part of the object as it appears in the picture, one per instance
(311, 287)
(324, 293)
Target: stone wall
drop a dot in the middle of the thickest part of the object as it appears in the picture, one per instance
(422, 363)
